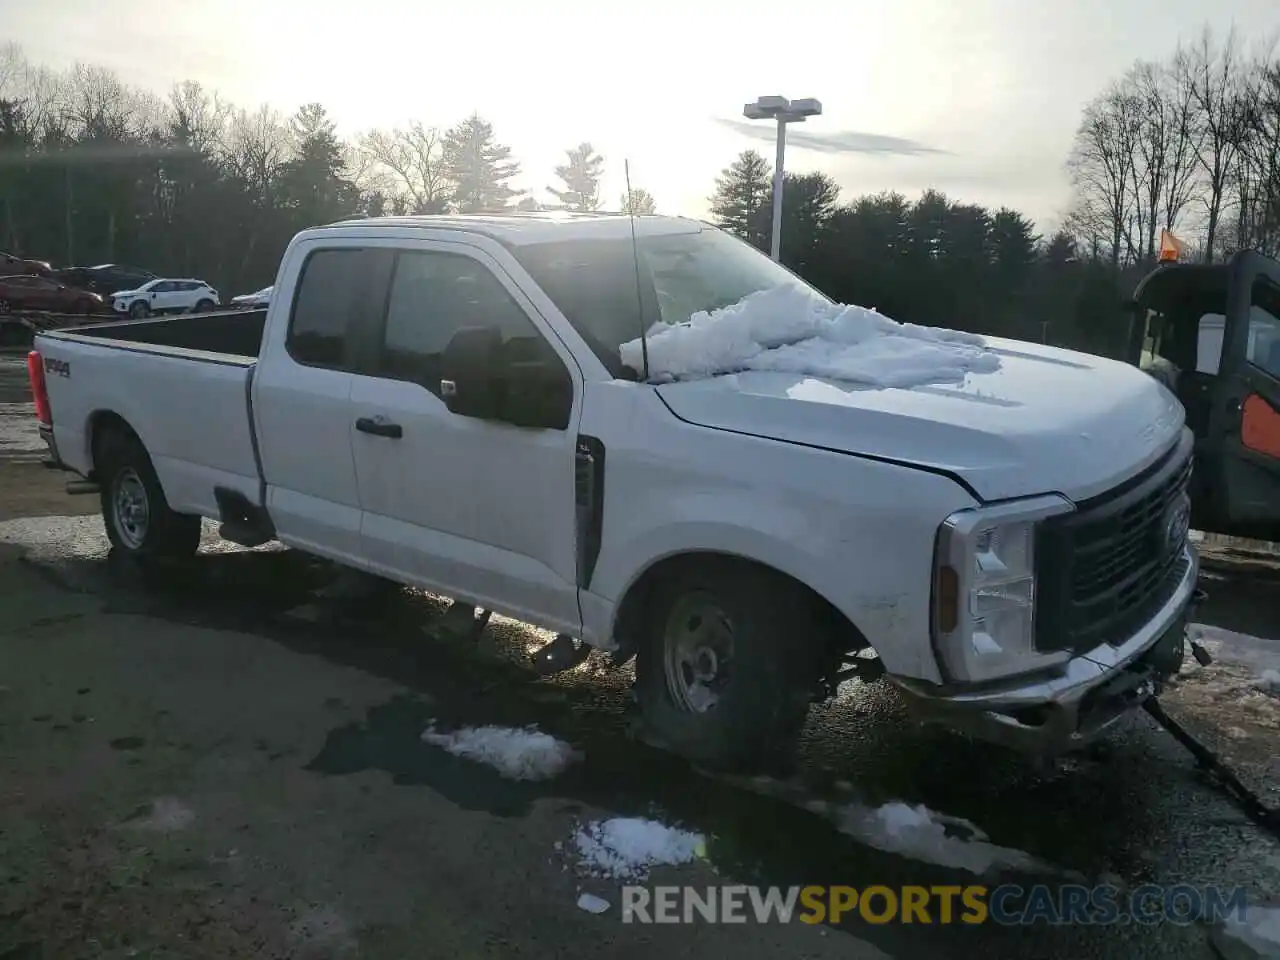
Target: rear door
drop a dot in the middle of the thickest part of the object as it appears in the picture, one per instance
(302, 396)
(166, 296)
(1247, 407)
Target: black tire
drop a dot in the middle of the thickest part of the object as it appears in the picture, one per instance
(204, 306)
(778, 637)
(139, 310)
(6, 306)
(153, 533)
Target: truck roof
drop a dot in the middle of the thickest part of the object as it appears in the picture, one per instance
(527, 228)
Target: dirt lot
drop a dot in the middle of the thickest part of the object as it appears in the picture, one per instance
(220, 765)
(28, 489)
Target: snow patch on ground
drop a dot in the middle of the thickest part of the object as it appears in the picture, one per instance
(627, 848)
(163, 815)
(1259, 930)
(1260, 655)
(789, 329)
(1269, 682)
(516, 753)
(923, 834)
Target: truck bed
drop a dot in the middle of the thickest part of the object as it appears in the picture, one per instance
(182, 384)
(235, 333)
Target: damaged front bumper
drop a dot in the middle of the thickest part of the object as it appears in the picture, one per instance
(1092, 691)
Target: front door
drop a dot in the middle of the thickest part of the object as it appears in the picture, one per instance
(1246, 411)
(473, 509)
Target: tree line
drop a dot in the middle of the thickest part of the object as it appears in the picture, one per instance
(1191, 143)
(93, 170)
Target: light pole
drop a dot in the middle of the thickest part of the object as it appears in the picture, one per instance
(784, 111)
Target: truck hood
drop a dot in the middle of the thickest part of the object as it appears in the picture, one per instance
(1048, 420)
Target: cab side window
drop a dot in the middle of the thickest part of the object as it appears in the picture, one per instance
(323, 322)
(432, 297)
(1264, 328)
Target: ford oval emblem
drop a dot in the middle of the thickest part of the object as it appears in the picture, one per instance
(1177, 523)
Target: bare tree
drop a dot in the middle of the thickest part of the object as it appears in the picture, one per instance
(1257, 177)
(96, 102)
(408, 163)
(1182, 155)
(1102, 168)
(1162, 174)
(256, 151)
(1216, 78)
(198, 117)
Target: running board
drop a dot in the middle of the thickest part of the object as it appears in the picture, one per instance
(243, 522)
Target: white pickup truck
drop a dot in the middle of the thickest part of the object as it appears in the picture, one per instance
(443, 402)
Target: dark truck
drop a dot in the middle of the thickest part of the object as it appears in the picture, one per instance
(1211, 333)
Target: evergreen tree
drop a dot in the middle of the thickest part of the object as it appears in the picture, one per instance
(478, 167)
(741, 199)
(314, 183)
(640, 201)
(581, 178)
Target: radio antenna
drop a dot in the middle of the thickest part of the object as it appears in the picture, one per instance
(635, 257)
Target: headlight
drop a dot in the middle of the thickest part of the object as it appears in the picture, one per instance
(984, 590)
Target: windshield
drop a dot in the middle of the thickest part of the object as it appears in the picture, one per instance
(593, 282)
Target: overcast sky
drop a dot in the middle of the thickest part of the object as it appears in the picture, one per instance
(976, 97)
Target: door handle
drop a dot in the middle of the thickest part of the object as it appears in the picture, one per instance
(379, 428)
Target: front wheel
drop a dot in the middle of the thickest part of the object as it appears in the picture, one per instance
(205, 306)
(139, 521)
(139, 310)
(728, 663)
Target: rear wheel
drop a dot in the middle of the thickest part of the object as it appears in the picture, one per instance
(139, 521)
(139, 310)
(728, 663)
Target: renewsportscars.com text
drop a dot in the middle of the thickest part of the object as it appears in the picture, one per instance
(1007, 904)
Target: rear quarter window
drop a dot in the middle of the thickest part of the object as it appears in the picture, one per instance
(328, 305)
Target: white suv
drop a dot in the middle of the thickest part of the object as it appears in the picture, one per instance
(166, 296)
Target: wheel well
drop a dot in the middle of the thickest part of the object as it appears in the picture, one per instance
(844, 634)
(101, 424)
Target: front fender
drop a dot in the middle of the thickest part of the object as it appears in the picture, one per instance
(873, 570)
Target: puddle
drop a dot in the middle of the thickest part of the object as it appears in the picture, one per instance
(750, 836)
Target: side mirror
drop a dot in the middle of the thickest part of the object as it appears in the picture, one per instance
(467, 372)
(483, 377)
(538, 392)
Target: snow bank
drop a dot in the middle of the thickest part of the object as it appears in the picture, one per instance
(1259, 930)
(922, 834)
(518, 754)
(789, 329)
(626, 848)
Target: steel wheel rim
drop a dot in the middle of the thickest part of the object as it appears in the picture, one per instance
(130, 509)
(697, 652)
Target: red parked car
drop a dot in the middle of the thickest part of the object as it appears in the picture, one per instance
(39, 293)
(17, 266)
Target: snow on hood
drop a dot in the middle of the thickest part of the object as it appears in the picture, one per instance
(789, 329)
(1010, 418)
